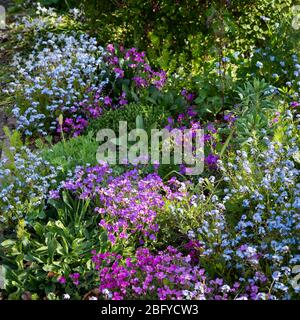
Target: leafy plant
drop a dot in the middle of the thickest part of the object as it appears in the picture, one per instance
(154, 116)
(51, 243)
(25, 181)
(256, 104)
(71, 153)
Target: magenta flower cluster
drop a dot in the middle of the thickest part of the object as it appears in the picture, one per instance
(131, 61)
(91, 107)
(121, 65)
(74, 126)
(87, 181)
(161, 276)
(165, 275)
(73, 276)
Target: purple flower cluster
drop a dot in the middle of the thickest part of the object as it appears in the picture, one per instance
(87, 181)
(165, 275)
(161, 276)
(121, 64)
(189, 96)
(189, 120)
(230, 118)
(294, 104)
(75, 278)
(126, 62)
(73, 126)
(91, 107)
(211, 160)
(127, 204)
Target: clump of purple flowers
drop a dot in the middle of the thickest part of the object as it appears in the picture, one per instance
(211, 160)
(211, 137)
(96, 102)
(127, 204)
(75, 278)
(166, 275)
(131, 64)
(294, 104)
(73, 126)
(160, 276)
(120, 65)
(86, 181)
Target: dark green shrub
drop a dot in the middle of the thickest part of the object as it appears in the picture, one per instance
(154, 116)
(77, 151)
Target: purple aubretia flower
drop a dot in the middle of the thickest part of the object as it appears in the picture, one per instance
(211, 160)
(75, 278)
(107, 101)
(62, 280)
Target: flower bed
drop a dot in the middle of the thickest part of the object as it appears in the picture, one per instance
(76, 227)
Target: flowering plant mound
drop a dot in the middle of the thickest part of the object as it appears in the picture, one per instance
(25, 179)
(68, 79)
(215, 133)
(263, 235)
(132, 65)
(161, 276)
(165, 275)
(60, 72)
(127, 204)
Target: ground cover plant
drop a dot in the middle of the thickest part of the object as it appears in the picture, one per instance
(74, 226)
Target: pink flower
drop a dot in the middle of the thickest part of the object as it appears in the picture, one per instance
(119, 72)
(61, 280)
(75, 277)
(107, 101)
(110, 48)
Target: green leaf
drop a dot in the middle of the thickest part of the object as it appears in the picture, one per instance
(52, 245)
(8, 243)
(296, 156)
(42, 248)
(65, 197)
(30, 257)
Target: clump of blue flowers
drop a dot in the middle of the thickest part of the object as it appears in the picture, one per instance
(61, 71)
(266, 233)
(25, 179)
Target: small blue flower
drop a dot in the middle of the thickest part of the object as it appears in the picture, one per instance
(259, 64)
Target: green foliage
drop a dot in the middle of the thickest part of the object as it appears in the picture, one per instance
(256, 107)
(215, 86)
(182, 34)
(252, 29)
(154, 116)
(52, 243)
(50, 2)
(179, 217)
(14, 141)
(74, 152)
